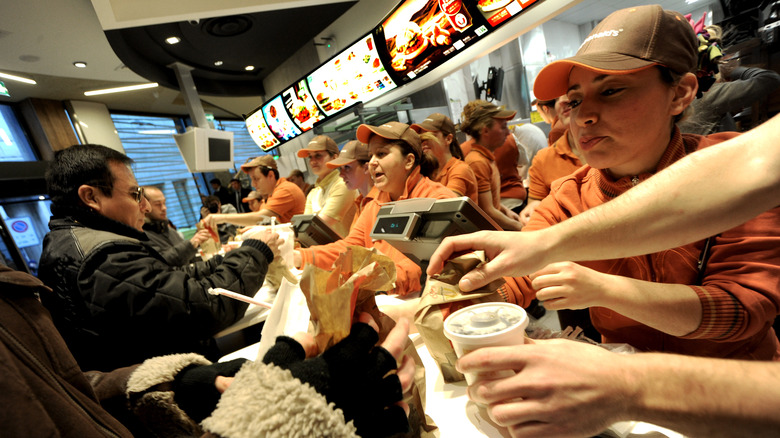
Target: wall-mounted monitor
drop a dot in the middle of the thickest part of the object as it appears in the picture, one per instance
(206, 150)
(497, 12)
(299, 103)
(278, 120)
(494, 87)
(355, 75)
(260, 132)
(419, 35)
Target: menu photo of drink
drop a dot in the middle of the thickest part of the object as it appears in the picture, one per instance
(419, 35)
(497, 12)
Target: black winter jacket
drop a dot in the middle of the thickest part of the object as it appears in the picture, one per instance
(117, 302)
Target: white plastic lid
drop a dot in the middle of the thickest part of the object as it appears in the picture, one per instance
(485, 319)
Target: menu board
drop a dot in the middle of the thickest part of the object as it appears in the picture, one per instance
(279, 121)
(419, 35)
(259, 131)
(498, 11)
(354, 75)
(299, 103)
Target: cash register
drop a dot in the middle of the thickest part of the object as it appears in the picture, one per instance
(311, 230)
(417, 226)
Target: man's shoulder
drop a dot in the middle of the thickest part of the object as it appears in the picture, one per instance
(89, 239)
(286, 187)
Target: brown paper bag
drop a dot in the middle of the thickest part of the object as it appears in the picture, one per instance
(442, 297)
(334, 299)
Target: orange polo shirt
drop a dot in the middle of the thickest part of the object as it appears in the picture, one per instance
(408, 273)
(483, 164)
(286, 200)
(458, 177)
(549, 164)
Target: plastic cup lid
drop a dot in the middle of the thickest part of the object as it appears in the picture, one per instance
(485, 319)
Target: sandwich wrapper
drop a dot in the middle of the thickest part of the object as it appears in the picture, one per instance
(280, 268)
(335, 297)
(442, 297)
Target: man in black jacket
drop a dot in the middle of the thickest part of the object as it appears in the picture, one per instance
(115, 300)
(162, 237)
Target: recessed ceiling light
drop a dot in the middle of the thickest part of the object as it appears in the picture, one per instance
(80, 64)
(249, 67)
(120, 89)
(173, 40)
(17, 78)
(218, 63)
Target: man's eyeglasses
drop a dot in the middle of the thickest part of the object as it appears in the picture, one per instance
(137, 193)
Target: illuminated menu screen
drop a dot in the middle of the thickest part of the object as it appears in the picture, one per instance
(300, 105)
(355, 75)
(498, 11)
(422, 34)
(259, 131)
(279, 121)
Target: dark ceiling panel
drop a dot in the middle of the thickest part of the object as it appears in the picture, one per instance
(264, 40)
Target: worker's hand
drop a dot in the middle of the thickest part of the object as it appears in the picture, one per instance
(200, 237)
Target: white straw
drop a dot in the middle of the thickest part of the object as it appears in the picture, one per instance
(239, 297)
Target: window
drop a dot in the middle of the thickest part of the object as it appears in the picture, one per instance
(148, 140)
(14, 145)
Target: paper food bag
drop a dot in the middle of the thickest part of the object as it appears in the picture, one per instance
(335, 297)
(442, 297)
(280, 267)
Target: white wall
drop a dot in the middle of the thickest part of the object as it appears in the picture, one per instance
(93, 124)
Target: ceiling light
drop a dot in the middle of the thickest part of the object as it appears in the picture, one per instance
(249, 67)
(690, 1)
(173, 40)
(80, 64)
(120, 89)
(218, 63)
(17, 78)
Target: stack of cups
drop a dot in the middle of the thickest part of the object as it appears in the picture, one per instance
(486, 325)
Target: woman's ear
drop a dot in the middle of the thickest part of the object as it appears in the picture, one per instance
(684, 93)
(90, 197)
(409, 162)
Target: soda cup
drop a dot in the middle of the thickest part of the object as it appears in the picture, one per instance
(486, 325)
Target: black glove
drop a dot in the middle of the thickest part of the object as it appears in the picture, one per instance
(350, 375)
(194, 390)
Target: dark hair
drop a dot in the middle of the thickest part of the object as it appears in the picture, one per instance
(215, 181)
(548, 103)
(79, 165)
(295, 172)
(265, 170)
(455, 149)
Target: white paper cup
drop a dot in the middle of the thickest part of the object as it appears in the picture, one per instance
(485, 325)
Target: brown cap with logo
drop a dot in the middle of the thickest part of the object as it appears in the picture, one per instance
(391, 131)
(261, 161)
(626, 41)
(352, 151)
(435, 122)
(320, 143)
(481, 111)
